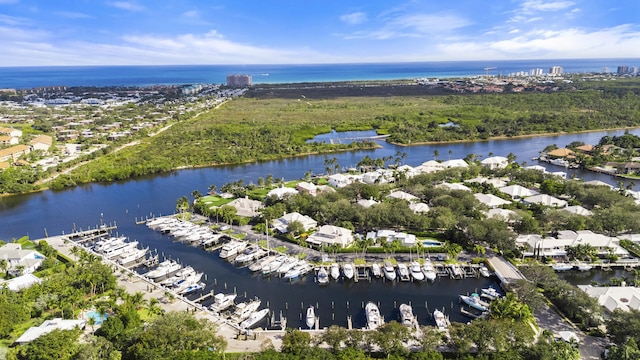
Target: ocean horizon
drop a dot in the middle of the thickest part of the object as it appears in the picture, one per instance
(148, 75)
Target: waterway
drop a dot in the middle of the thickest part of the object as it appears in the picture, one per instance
(52, 212)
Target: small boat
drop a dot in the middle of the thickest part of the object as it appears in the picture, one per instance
(441, 320)
(475, 302)
(561, 266)
(415, 271)
(373, 316)
(222, 302)
(258, 265)
(322, 276)
(490, 293)
(254, 319)
(244, 310)
(584, 267)
(310, 320)
(335, 271)
(389, 271)
(375, 270)
(403, 272)
(484, 271)
(456, 271)
(406, 315)
(348, 271)
(428, 270)
(193, 288)
(232, 248)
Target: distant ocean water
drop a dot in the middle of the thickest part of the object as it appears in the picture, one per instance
(30, 77)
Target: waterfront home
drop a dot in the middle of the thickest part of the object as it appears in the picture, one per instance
(536, 245)
(246, 207)
(545, 200)
(495, 162)
(281, 192)
(419, 208)
(496, 182)
(20, 261)
(598, 183)
(453, 186)
(404, 196)
(612, 298)
(391, 235)
(331, 235)
(48, 326)
(490, 200)
(517, 191)
(339, 180)
(540, 168)
(20, 282)
(455, 163)
(428, 167)
(381, 176)
(281, 224)
(561, 153)
(307, 187)
(407, 170)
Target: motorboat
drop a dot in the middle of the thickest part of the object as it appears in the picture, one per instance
(374, 320)
(258, 265)
(322, 276)
(222, 302)
(375, 270)
(193, 288)
(244, 310)
(403, 272)
(274, 265)
(484, 271)
(415, 271)
(490, 293)
(310, 320)
(249, 254)
(428, 270)
(406, 315)
(182, 285)
(335, 271)
(287, 265)
(115, 251)
(165, 269)
(456, 271)
(232, 248)
(440, 319)
(301, 269)
(132, 255)
(102, 245)
(180, 275)
(561, 266)
(389, 271)
(254, 319)
(348, 270)
(584, 267)
(474, 302)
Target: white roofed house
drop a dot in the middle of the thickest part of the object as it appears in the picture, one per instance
(496, 182)
(518, 191)
(428, 167)
(419, 207)
(454, 186)
(246, 207)
(331, 235)
(367, 203)
(455, 163)
(391, 235)
(20, 261)
(282, 224)
(404, 196)
(545, 200)
(557, 247)
(42, 143)
(495, 162)
(491, 200)
(282, 192)
(578, 210)
(307, 187)
(339, 180)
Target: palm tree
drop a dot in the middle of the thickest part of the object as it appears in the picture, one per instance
(153, 307)
(4, 265)
(212, 189)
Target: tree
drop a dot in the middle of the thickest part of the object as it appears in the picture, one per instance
(429, 338)
(295, 228)
(56, 345)
(4, 265)
(296, 342)
(334, 336)
(196, 194)
(391, 338)
(623, 325)
(212, 189)
(182, 204)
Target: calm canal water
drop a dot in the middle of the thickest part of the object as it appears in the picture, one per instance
(123, 202)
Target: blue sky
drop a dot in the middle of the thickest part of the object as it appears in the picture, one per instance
(159, 32)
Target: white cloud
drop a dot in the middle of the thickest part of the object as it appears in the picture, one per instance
(413, 25)
(514, 31)
(72, 15)
(127, 5)
(354, 18)
(13, 20)
(542, 5)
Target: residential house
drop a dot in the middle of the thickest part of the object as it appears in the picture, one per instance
(557, 247)
(20, 282)
(578, 210)
(13, 153)
(246, 207)
(491, 200)
(496, 182)
(8, 140)
(612, 298)
(495, 162)
(631, 168)
(391, 235)
(339, 180)
(331, 235)
(20, 261)
(282, 191)
(546, 200)
(561, 153)
(307, 187)
(455, 163)
(518, 191)
(281, 224)
(10, 132)
(428, 167)
(453, 186)
(48, 326)
(419, 207)
(540, 168)
(497, 213)
(41, 142)
(367, 203)
(404, 196)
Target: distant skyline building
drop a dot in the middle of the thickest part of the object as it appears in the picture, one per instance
(555, 70)
(623, 69)
(605, 70)
(239, 80)
(535, 72)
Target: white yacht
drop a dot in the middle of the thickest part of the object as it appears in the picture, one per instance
(415, 271)
(484, 271)
(193, 288)
(403, 272)
(222, 302)
(300, 269)
(165, 269)
(232, 248)
(375, 270)
(132, 255)
(180, 275)
(244, 310)
(258, 265)
(115, 251)
(287, 265)
(310, 320)
(389, 271)
(406, 315)
(348, 270)
(441, 320)
(373, 316)
(254, 319)
(490, 293)
(274, 265)
(249, 254)
(322, 276)
(335, 271)
(429, 271)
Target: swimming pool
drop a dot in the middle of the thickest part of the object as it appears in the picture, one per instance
(96, 317)
(432, 243)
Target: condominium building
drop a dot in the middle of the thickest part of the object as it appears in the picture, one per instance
(239, 80)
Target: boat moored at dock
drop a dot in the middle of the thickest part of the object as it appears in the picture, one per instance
(310, 319)
(374, 320)
(406, 315)
(254, 319)
(389, 271)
